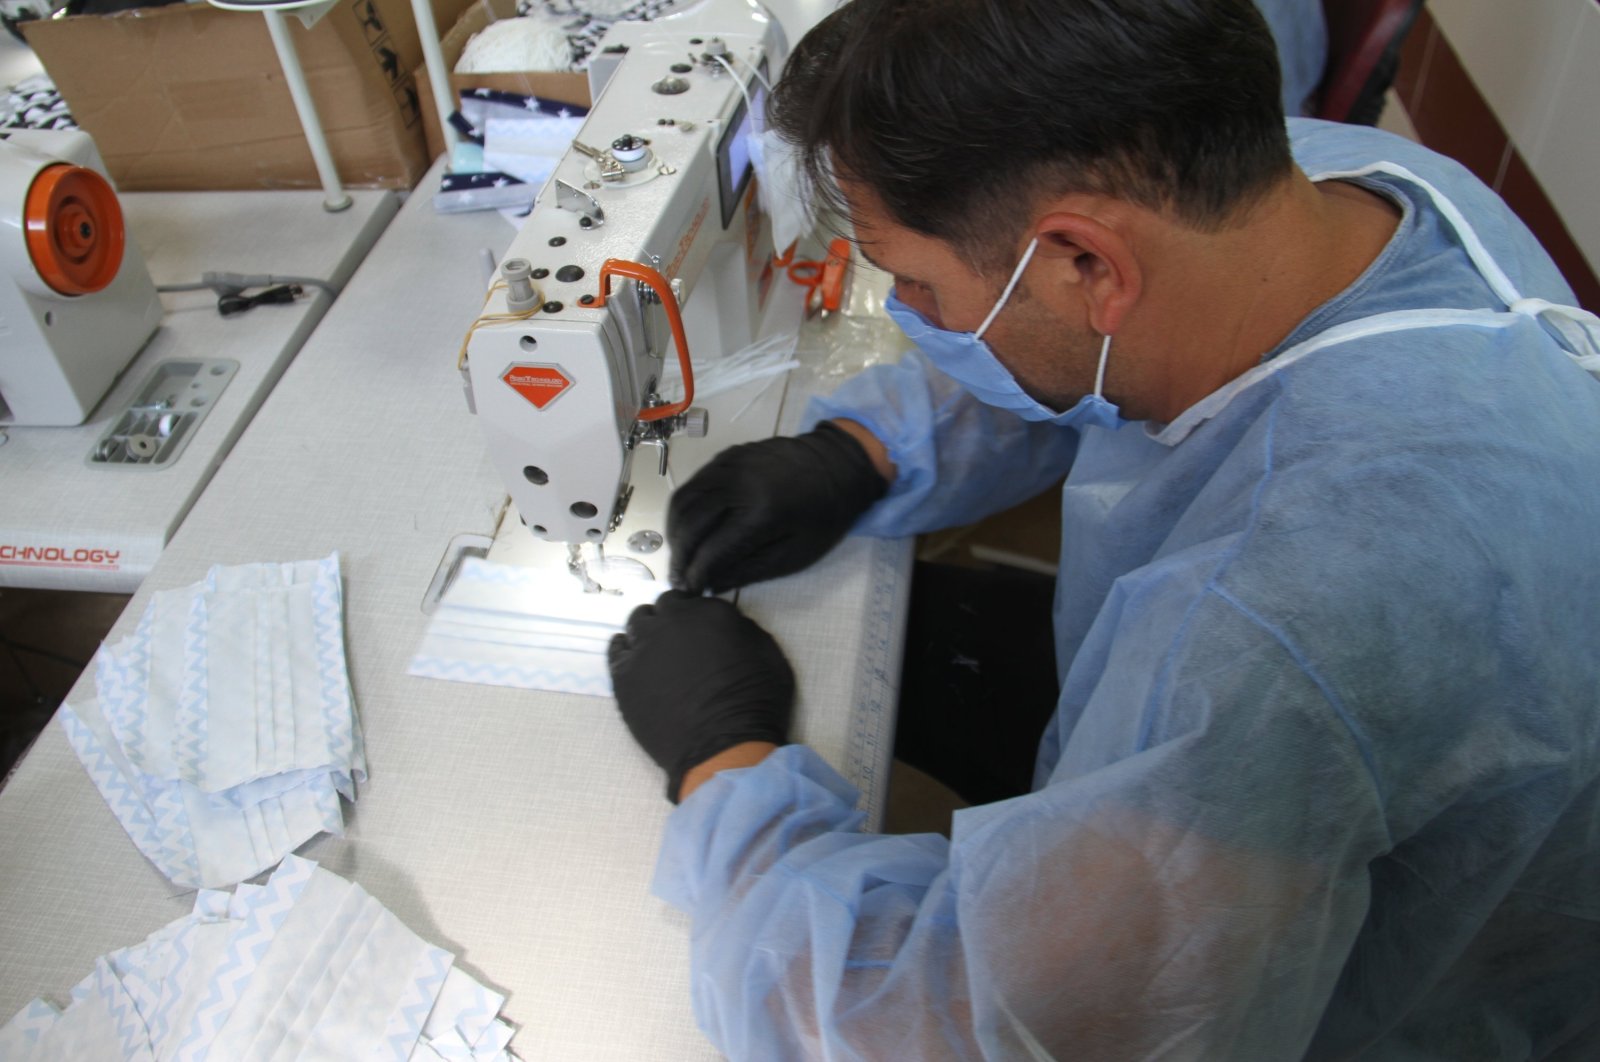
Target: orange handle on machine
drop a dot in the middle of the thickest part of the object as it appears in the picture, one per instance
(643, 274)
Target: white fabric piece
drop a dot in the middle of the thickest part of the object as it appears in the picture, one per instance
(337, 951)
(22, 1032)
(306, 966)
(265, 709)
(229, 753)
(360, 1003)
(201, 949)
(465, 1008)
(314, 906)
(528, 148)
(502, 625)
(98, 1024)
(224, 730)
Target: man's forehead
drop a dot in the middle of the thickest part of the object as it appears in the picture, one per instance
(895, 260)
(873, 224)
(871, 250)
(867, 216)
(894, 248)
(890, 247)
(909, 255)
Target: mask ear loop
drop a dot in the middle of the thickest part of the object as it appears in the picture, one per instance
(1011, 285)
(1100, 373)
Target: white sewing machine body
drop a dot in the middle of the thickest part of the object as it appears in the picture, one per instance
(560, 392)
(62, 350)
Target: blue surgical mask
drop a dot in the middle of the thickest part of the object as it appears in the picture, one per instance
(967, 359)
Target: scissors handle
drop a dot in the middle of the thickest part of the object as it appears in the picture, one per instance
(825, 279)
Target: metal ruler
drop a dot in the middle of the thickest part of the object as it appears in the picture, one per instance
(876, 698)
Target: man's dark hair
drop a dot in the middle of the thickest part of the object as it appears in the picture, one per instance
(960, 114)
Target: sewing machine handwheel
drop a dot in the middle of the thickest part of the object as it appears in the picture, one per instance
(74, 229)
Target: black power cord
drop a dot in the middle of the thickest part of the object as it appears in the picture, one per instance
(237, 302)
(231, 288)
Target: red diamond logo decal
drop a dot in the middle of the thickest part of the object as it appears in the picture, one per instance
(539, 384)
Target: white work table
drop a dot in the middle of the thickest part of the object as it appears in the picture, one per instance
(517, 829)
(56, 506)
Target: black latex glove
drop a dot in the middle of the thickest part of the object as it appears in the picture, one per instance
(769, 508)
(695, 677)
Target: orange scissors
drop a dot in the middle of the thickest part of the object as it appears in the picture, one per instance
(824, 279)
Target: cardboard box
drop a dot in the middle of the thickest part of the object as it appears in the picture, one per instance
(568, 88)
(192, 97)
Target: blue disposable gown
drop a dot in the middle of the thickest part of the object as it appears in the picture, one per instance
(1301, 35)
(1322, 781)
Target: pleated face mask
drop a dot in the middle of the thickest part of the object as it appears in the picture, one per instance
(969, 360)
(307, 965)
(223, 733)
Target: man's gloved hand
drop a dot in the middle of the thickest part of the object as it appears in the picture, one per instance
(769, 508)
(694, 677)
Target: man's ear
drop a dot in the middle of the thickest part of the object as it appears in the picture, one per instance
(1092, 262)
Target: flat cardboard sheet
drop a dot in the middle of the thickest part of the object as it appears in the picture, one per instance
(190, 97)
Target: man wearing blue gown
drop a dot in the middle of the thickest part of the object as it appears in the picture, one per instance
(1323, 776)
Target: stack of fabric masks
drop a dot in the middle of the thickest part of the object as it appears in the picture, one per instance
(224, 732)
(306, 966)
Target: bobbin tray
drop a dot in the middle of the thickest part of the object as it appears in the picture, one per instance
(156, 426)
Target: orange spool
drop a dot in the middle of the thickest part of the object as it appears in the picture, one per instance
(74, 229)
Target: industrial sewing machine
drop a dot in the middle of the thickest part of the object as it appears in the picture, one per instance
(77, 303)
(647, 250)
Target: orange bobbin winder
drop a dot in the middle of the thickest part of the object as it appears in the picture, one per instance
(74, 229)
